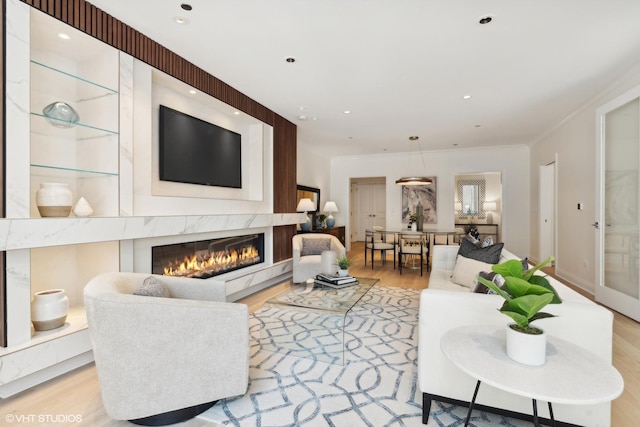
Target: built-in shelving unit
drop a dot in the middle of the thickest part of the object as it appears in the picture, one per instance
(99, 161)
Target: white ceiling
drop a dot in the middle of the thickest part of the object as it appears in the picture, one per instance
(401, 67)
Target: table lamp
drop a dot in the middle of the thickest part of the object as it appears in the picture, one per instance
(305, 205)
(330, 207)
(488, 208)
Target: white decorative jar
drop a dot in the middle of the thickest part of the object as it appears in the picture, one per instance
(414, 226)
(529, 349)
(49, 309)
(54, 199)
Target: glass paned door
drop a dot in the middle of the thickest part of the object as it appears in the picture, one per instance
(618, 283)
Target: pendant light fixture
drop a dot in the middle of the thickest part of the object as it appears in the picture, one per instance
(415, 180)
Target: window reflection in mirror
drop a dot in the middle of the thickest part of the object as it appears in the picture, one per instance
(471, 194)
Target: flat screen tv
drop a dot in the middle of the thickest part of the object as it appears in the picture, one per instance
(193, 151)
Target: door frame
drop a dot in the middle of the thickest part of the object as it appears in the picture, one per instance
(607, 296)
(542, 199)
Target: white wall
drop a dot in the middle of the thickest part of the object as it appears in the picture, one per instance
(574, 144)
(512, 162)
(313, 171)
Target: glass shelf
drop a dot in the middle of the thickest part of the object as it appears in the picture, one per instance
(85, 131)
(97, 90)
(62, 172)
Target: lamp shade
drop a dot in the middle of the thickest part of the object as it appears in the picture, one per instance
(490, 206)
(305, 205)
(330, 207)
(414, 180)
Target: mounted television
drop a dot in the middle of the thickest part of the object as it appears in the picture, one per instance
(193, 151)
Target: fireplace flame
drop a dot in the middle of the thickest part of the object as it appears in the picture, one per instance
(216, 262)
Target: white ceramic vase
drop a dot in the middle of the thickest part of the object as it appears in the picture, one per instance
(54, 199)
(528, 349)
(82, 208)
(49, 309)
(414, 226)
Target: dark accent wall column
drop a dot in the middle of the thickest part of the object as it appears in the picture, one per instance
(284, 176)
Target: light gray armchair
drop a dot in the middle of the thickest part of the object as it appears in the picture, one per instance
(164, 360)
(307, 256)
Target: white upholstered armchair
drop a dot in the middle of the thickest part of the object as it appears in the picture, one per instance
(164, 360)
(307, 253)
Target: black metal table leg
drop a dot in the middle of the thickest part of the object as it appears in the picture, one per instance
(553, 420)
(473, 401)
(536, 423)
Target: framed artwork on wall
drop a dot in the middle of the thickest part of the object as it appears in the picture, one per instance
(427, 194)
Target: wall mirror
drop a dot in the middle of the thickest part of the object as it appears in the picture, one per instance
(309, 193)
(471, 195)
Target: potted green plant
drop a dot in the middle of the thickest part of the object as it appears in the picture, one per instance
(343, 265)
(321, 220)
(413, 221)
(525, 294)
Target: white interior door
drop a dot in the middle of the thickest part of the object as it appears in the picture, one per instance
(617, 275)
(370, 207)
(379, 205)
(547, 211)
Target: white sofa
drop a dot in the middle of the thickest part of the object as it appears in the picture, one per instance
(446, 305)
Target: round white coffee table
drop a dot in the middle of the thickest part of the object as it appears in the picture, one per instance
(585, 378)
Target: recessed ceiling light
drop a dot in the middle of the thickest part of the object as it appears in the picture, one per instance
(477, 126)
(237, 113)
(485, 20)
(180, 20)
(347, 111)
(413, 138)
(192, 92)
(302, 117)
(466, 97)
(186, 6)
(290, 59)
(64, 36)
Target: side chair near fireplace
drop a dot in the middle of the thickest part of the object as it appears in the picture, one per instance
(162, 360)
(307, 254)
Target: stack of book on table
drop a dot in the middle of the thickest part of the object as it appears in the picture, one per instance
(335, 281)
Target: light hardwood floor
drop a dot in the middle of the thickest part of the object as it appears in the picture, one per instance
(77, 394)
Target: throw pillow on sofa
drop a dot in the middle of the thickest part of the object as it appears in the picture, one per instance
(480, 288)
(489, 254)
(315, 246)
(466, 270)
(152, 287)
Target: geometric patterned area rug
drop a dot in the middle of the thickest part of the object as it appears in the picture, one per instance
(375, 386)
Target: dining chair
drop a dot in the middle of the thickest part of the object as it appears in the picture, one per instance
(379, 240)
(412, 246)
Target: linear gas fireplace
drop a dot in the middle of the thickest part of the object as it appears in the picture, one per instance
(208, 258)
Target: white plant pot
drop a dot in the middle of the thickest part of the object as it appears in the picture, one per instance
(343, 272)
(414, 227)
(528, 349)
(49, 309)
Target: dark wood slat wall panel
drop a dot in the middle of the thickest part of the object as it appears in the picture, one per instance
(285, 173)
(282, 236)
